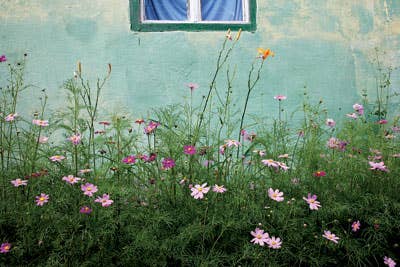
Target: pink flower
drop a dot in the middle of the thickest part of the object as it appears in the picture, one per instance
(3, 58)
(260, 237)
(40, 200)
(208, 163)
(379, 166)
(192, 86)
(283, 156)
(231, 143)
(18, 182)
(5, 247)
(274, 243)
(332, 237)
(388, 261)
(270, 163)
(168, 163)
(150, 158)
(11, 117)
(56, 158)
(84, 171)
(75, 139)
(275, 195)
(71, 179)
(352, 115)
(355, 226)
(331, 123)
(41, 123)
(358, 108)
(312, 202)
(382, 121)
(198, 191)
(280, 97)
(43, 139)
(85, 210)
(89, 189)
(189, 150)
(333, 143)
(104, 200)
(129, 159)
(219, 189)
(319, 174)
(396, 129)
(282, 165)
(105, 123)
(151, 127)
(246, 136)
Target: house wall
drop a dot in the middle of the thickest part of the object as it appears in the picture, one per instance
(326, 46)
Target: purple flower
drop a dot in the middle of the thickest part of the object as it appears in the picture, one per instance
(168, 163)
(3, 58)
(129, 159)
(389, 262)
(189, 150)
(85, 210)
(5, 248)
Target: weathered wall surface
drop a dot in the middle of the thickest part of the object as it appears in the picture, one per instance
(324, 45)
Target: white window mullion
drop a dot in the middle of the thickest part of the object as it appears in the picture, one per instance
(194, 11)
(246, 11)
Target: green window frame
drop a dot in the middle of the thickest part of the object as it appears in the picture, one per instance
(139, 26)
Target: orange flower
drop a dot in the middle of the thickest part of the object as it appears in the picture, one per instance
(264, 53)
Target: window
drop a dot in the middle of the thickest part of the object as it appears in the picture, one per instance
(192, 15)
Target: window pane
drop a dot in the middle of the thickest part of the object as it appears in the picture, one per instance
(222, 10)
(165, 10)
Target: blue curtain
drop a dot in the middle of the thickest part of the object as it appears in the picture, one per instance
(229, 10)
(165, 10)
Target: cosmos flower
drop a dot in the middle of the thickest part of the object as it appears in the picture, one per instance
(11, 117)
(104, 200)
(260, 237)
(43, 139)
(219, 189)
(355, 226)
(3, 58)
(189, 150)
(330, 123)
(18, 182)
(275, 195)
(264, 53)
(85, 210)
(280, 97)
(389, 261)
(89, 189)
(192, 86)
(41, 123)
(5, 247)
(198, 191)
(40, 200)
(168, 163)
(332, 237)
(151, 127)
(352, 115)
(379, 166)
(129, 159)
(71, 179)
(75, 139)
(312, 201)
(319, 174)
(56, 158)
(358, 108)
(274, 243)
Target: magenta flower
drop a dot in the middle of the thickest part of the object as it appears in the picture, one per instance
(41, 123)
(151, 127)
(18, 182)
(274, 243)
(168, 163)
(89, 189)
(275, 195)
(379, 166)
(330, 122)
(150, 158)
(388, 261)
(198, 191)
(11, 117)
(104, 200)
(40, 200)
(356, 226)
(71, 179)
(189, 150)
(280, 97)
(332, 237)
(358, 108)
(219, 189)
(382, 121)
(192, 86)
(3, 58)
(129, 159)
(260, 237)
(5, 247)
(56, 158)
(75, 139)
(319, 174)
(85, 210)
(312, 202)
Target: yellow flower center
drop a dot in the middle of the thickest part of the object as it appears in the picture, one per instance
(41, 198)
(88, 189)
(259, 236)
(200, 189)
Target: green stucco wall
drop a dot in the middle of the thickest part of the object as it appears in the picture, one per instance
(326, 45)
